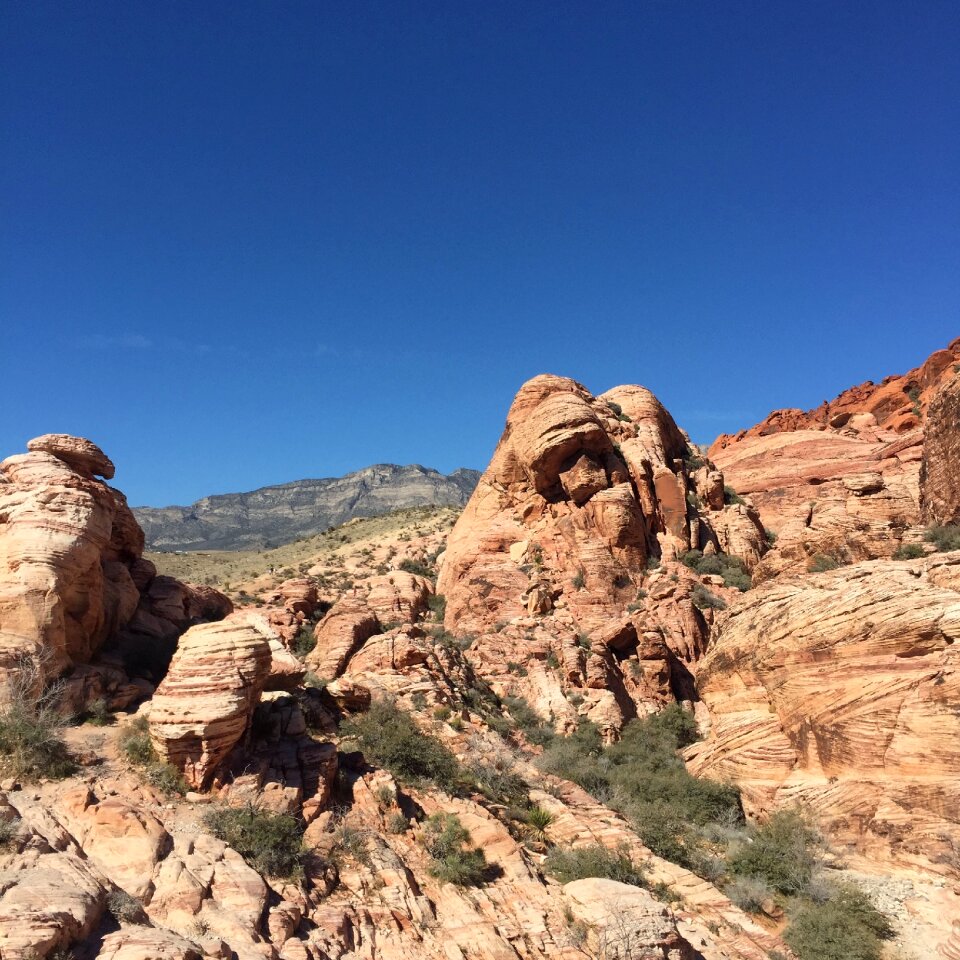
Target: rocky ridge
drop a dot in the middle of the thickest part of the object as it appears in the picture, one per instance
(279, 514)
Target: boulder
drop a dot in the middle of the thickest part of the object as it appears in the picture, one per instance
(203, 707)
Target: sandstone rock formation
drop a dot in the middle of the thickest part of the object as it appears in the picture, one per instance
(274, 515)
(203, 707)
(840, 692)
(842, 480)
(940, 469)
(582, 496)
(71, 571)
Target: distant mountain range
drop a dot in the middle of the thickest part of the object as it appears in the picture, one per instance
(275, 515)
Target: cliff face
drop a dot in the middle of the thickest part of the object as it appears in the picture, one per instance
(274, 515)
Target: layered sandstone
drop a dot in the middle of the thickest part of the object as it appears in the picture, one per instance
(553, 553)
(204, 705)
(843, 480)
(840, 692)
(72, 575)
(940, 469)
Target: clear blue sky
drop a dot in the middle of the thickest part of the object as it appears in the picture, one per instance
(243, 243)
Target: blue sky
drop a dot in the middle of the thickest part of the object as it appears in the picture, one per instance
(243, 243)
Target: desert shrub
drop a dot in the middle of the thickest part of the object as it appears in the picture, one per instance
(442, 712)
(821, 562)
(535, 729)
(584, 642)
(397, 823)
(8, 832)
(418, 568)
(783, 852)
(389, 737)
(642, 776)
(567, 864)
(124, 908)
(749, 893)
(437, 603)
(731, 496)
(769, 536)
(97, 714)
(134, 740)
(847, 927)
(454, 859)
(305, 640)
(703, 599)
(579, 580)
(945, 537)
(731, 568)
(272, 843)
(165, 777)
(909, 551)
(31, 728)
(538, 820)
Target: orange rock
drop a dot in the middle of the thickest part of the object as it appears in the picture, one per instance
(840, 692)
(203, 707)
(940, 469)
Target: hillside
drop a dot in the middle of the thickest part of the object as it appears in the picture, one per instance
(280, 514)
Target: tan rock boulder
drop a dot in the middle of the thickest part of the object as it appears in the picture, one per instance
(340, 634)
(840, 692)
(48, 900)
(147, 943)
(65, 552)
(625, 921)
(203, 707)
(80, 454)
(124, 842)
(398, 596)
(940, 469)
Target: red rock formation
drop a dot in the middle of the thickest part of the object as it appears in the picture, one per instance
(841, 480)
(554, 545)
(840, 692)
(71, 567)
(940, 469)
(204, 705)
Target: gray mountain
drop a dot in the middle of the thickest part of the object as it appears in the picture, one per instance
(272, 516)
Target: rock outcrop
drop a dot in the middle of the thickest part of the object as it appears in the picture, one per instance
(274, 515)
(72, 575)
(840, 692)
(204, 705)
(841, 481)
(551, 560)
(940, 469)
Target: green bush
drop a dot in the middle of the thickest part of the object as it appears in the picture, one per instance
(821, 563)
(749, 893)
(135, 744)
(8, 832)
(437, 603)
(397, 823)
(703, 599)
(731, 496)
(305, 640)
(538, 820)
(579, 581)
(731, 568)
(909, 551)
(418, 568)
(567, 864)
(783, 852)
(97, 714)
(272, 843)
(944, 538)
(644, 778)
(454, 859)
(846, 927)
(535, 729)
(31, 735)
(389, 738)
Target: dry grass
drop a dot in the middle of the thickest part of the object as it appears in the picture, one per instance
(338, 550)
